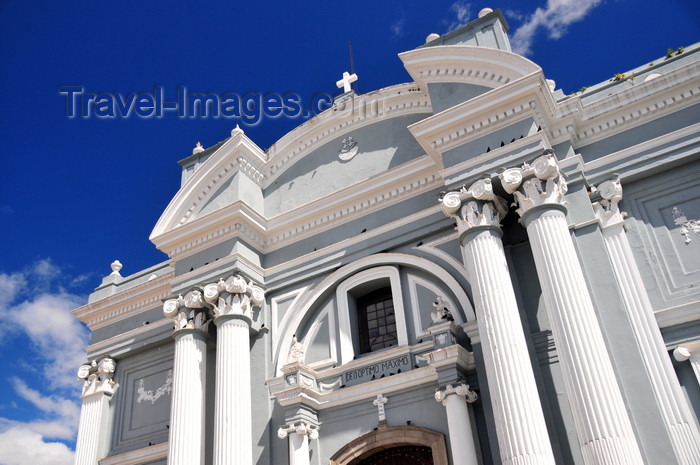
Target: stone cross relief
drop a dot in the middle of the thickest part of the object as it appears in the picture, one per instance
(687, 226)
(379, 402)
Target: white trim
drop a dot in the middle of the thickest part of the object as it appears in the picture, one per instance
(139, 456)
(347, 353)
(296, 294)
(413, 281)
(393, 259)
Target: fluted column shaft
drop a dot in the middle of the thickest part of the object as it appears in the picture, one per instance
(520, 425)
(233, 422)
(98, 388)
(92, 412)
(462, 438)
(187, 411)
(603, 426)
(675, 411)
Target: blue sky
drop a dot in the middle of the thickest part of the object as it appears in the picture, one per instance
(76, 194)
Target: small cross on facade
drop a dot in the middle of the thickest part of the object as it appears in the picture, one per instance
(346, 81)
(379, 402)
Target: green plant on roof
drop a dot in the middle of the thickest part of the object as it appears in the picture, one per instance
(621, 77)
(583, 89)
(670, 52)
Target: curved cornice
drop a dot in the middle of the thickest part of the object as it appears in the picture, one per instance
(345, 115)
(481, 66)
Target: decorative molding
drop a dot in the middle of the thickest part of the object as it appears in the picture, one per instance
(461, 390)
(97, 377)
(239, 219)
(193, 317)
(153, 396)
(334, 278)
(138, 456)
(341, 118)
(607, 210)
(476, 207)
(481, 66)
(392, 436)
(535, 185)
(301, 428)
(347, 351)
(348, 149)
(127, 303)
(234, 297)
(687, 226)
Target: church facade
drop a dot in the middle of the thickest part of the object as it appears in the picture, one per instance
(467, 269)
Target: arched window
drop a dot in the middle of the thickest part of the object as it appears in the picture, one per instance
(376, 320)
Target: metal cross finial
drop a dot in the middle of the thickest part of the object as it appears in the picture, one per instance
(346, 81)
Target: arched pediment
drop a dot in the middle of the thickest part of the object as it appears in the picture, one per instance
(304, 307)
(237, 155)
(481, 66)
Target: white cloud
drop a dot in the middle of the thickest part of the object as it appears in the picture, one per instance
(57, 336)
(40, 311)
(555, 18)
(67, 410)
(20, 445)
(462, 11)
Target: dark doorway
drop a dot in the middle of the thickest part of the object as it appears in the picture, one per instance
(403, 455)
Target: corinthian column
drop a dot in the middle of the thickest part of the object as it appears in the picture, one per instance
(233, 302)
(675, 411)
(458, 423)
(520, 426)
(299, 436)
(186, 445)
(604, 429)
(98, 388)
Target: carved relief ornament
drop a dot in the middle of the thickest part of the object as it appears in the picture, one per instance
(607, 210)
(535, 184)
(189, 312)
(458, 390)
(98, 376)
(233, 296)
(475, 207)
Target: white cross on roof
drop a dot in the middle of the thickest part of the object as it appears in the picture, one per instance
(346, 81)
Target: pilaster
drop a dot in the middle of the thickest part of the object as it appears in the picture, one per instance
(98, 388)
(520, 426)
(603, 426)
(675, 411)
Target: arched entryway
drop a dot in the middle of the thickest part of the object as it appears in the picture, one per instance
(401, 455)
(394, 445)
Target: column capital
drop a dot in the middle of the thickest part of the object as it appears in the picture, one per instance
(97, 377)
(475, 208)
(461, 390)
(234, 296)
(301, 428)
(536, 184)
(607, 210)
(188, 312)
